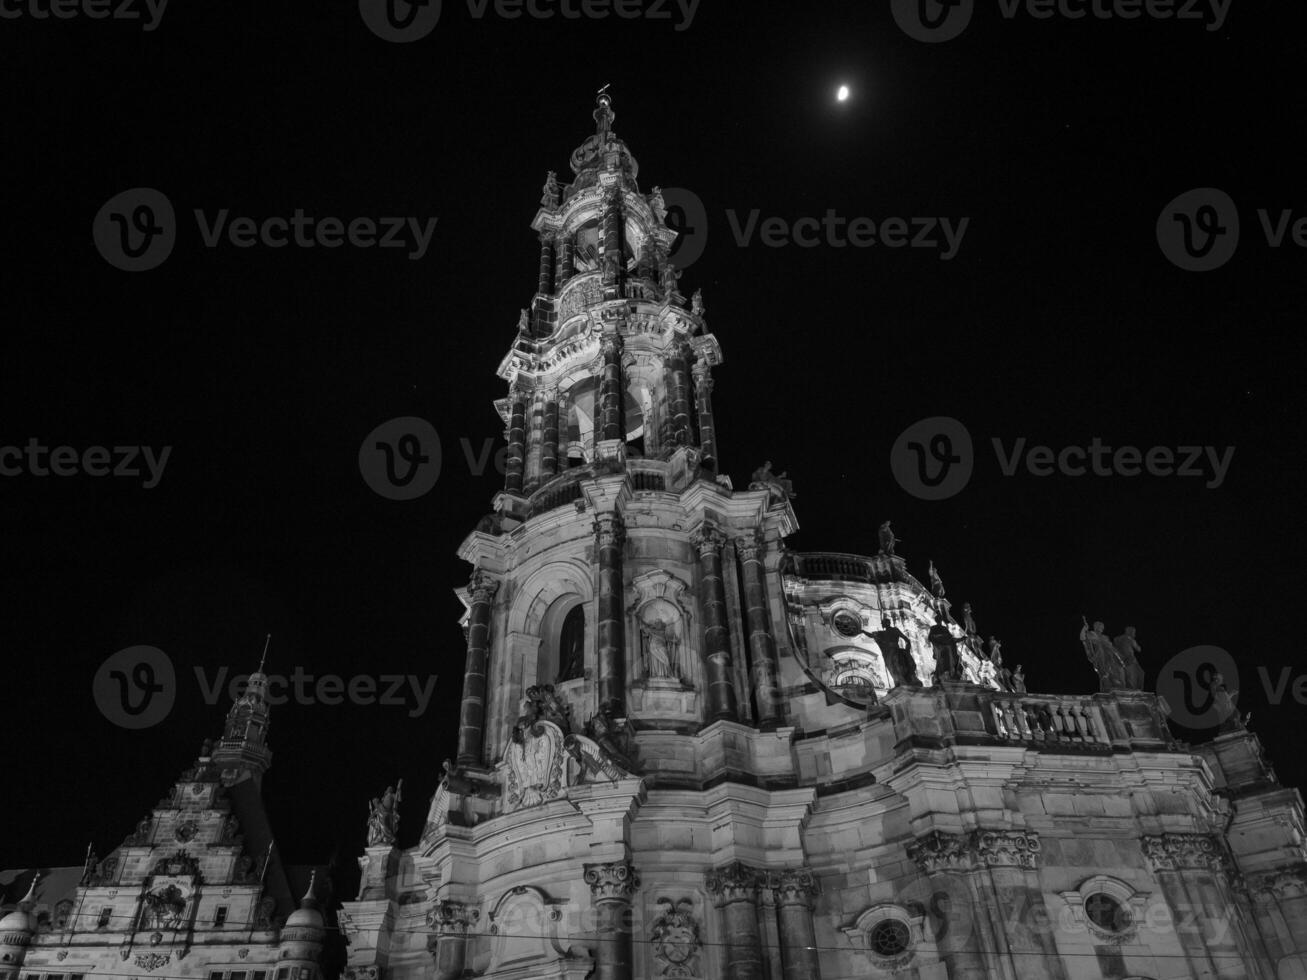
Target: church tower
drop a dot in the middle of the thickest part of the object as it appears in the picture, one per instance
(687, 751)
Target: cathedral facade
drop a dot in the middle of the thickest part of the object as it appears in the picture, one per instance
(687, 751)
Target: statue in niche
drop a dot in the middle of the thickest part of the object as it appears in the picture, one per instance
(658, 643)
(1126, 648)
(383, 816)
(524, 322)
(1102, 656)
(670, 277)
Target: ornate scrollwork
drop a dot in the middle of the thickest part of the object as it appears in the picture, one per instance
(534, 762)
(1185, 852)
(795, 886)
(938, 851)
(614, 880)
(734, 882)
(452, 918)
(152, 961)
(674, 939)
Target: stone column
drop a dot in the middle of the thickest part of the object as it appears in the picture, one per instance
(734, 889)
(718, 668)
(611, 888)
(471, 728)
(1188, 868)
(611, 230)
(610, 535)
(1018, 914)
(549, 444)
(566, 262)
(449, 922)
(762, 646)
(611, 391)
(546, 284)
(947, 861)
(515, 464)
(795, 890)
(678, 387)
(703, 402)
(535, 437)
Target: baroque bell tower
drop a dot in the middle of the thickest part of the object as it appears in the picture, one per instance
(607, 563)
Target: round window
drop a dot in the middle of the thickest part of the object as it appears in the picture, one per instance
(890, 937)
(847, 623)
(1107, 913)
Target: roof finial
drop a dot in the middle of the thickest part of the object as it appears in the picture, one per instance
(29, 899)
(266, 643)
(308, 894)
(604, 115)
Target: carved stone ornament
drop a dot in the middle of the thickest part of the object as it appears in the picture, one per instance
(361, 973)
(452, 918)
(533, 759)
(178, 866)
(152, 961)
(1185, 852)
(613, 881)
(1280, 884)
(735, 882)
(796, 886)
(186, 832)
(674, 939)
(938, 851)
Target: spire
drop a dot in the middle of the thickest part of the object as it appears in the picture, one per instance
(310, 900)
(604, 114)
(266, 643)
(604, 151)
(244, 735)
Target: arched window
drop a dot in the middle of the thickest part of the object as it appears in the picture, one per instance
(571, 645)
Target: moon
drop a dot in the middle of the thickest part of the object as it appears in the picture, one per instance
(843, 94)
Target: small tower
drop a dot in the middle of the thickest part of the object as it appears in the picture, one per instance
(16, 932)
(242, 752)
(300, 948)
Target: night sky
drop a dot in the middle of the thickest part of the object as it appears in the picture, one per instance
(1059, 320)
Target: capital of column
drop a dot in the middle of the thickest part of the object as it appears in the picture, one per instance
(794, 886)
(708, 538)
(610, 530)
(1185, 852)
(612, 881)
(938, 851)
(750, 546)
(452, 918)
(482, 587)
(734, 882)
